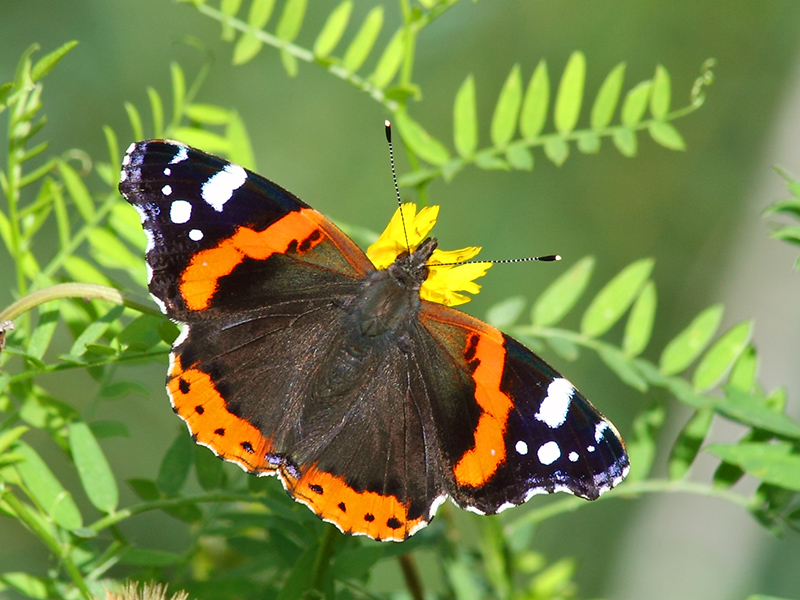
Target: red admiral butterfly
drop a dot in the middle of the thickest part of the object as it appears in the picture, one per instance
(298, 357)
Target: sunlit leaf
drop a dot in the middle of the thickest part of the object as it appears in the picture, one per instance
(720, 357)
(561, 296)
(93, 468)
(333, 30)
(661, 94)
(615, 298)
(359, 49)
(465, 118)
(639, 327)
(534, 106)
(607, 98)
(635, 104)
(570, 94)
(504, 119)
(690, 343)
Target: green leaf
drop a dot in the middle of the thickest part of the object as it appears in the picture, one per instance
(390, 61)
(95, 330)
(364, 40)
(178, 92)
(175, 465)
(720, 357)
(241, 149)
(570, 94)
(45, 489)
(589, 142)
(504, 314)
(490, 162)
(200, 138)
(639, 327)
(207, 114)
(135, 121)
(661, 94)
(465, 118)
(260, 12)
(534, 106)
(28, 585)
(229, 8)
(110, 252)
(298, 582)
(557, 150)
(666, 135)
(93, 469)
(420, 141)
(607, 98)
(40, 339)
(755, 412)
(615, 298)
(504, 119)
(566, 349)
(208, 468)
(247, 47)
(690, 343)
(686, 447)
(45, 64)
(635, 104)
(561, 296)
(621, 365)
(144, 557)
(625, 141)
(289, 62)
(77, 191)
(291, 19)
(769, 462)
(744, 371)
(519, 157)
(7, 438)
(333, 30)
(157, 112)
(642, 445)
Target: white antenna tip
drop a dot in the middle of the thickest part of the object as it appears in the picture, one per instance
(557, 257)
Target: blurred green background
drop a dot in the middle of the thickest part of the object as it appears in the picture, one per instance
(695, 212)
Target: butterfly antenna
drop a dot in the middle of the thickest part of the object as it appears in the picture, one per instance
(547, 258)
(388, 127)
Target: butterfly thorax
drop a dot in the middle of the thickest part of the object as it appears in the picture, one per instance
(390, 301)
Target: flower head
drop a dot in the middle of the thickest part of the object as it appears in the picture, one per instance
(445, 280)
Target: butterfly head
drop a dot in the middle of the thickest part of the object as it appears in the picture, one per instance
(442, 279)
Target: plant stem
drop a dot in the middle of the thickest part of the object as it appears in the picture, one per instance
(90, 291)
(328, 542)
(411, 575)
(635, 488)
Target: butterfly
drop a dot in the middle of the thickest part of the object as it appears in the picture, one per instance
(350, 378)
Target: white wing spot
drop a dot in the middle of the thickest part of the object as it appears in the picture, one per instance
(195, 235)
(167, 171)
(548, 453)
(599, 430)
(573, 457)
(590, 448)
(166, 190)
(122, 176)
(220, 187)
(180, 156)
(180, 211)
(521, 448)
(554, 408)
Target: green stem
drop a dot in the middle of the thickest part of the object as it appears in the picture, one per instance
(89, 291)
(411, 576)
(216, 496)
(324, 554)
(634, 488)
(62, 551)
(299, 53)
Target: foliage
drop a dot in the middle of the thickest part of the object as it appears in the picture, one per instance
(249, 539)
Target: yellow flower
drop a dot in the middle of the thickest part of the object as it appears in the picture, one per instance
(445, 280)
